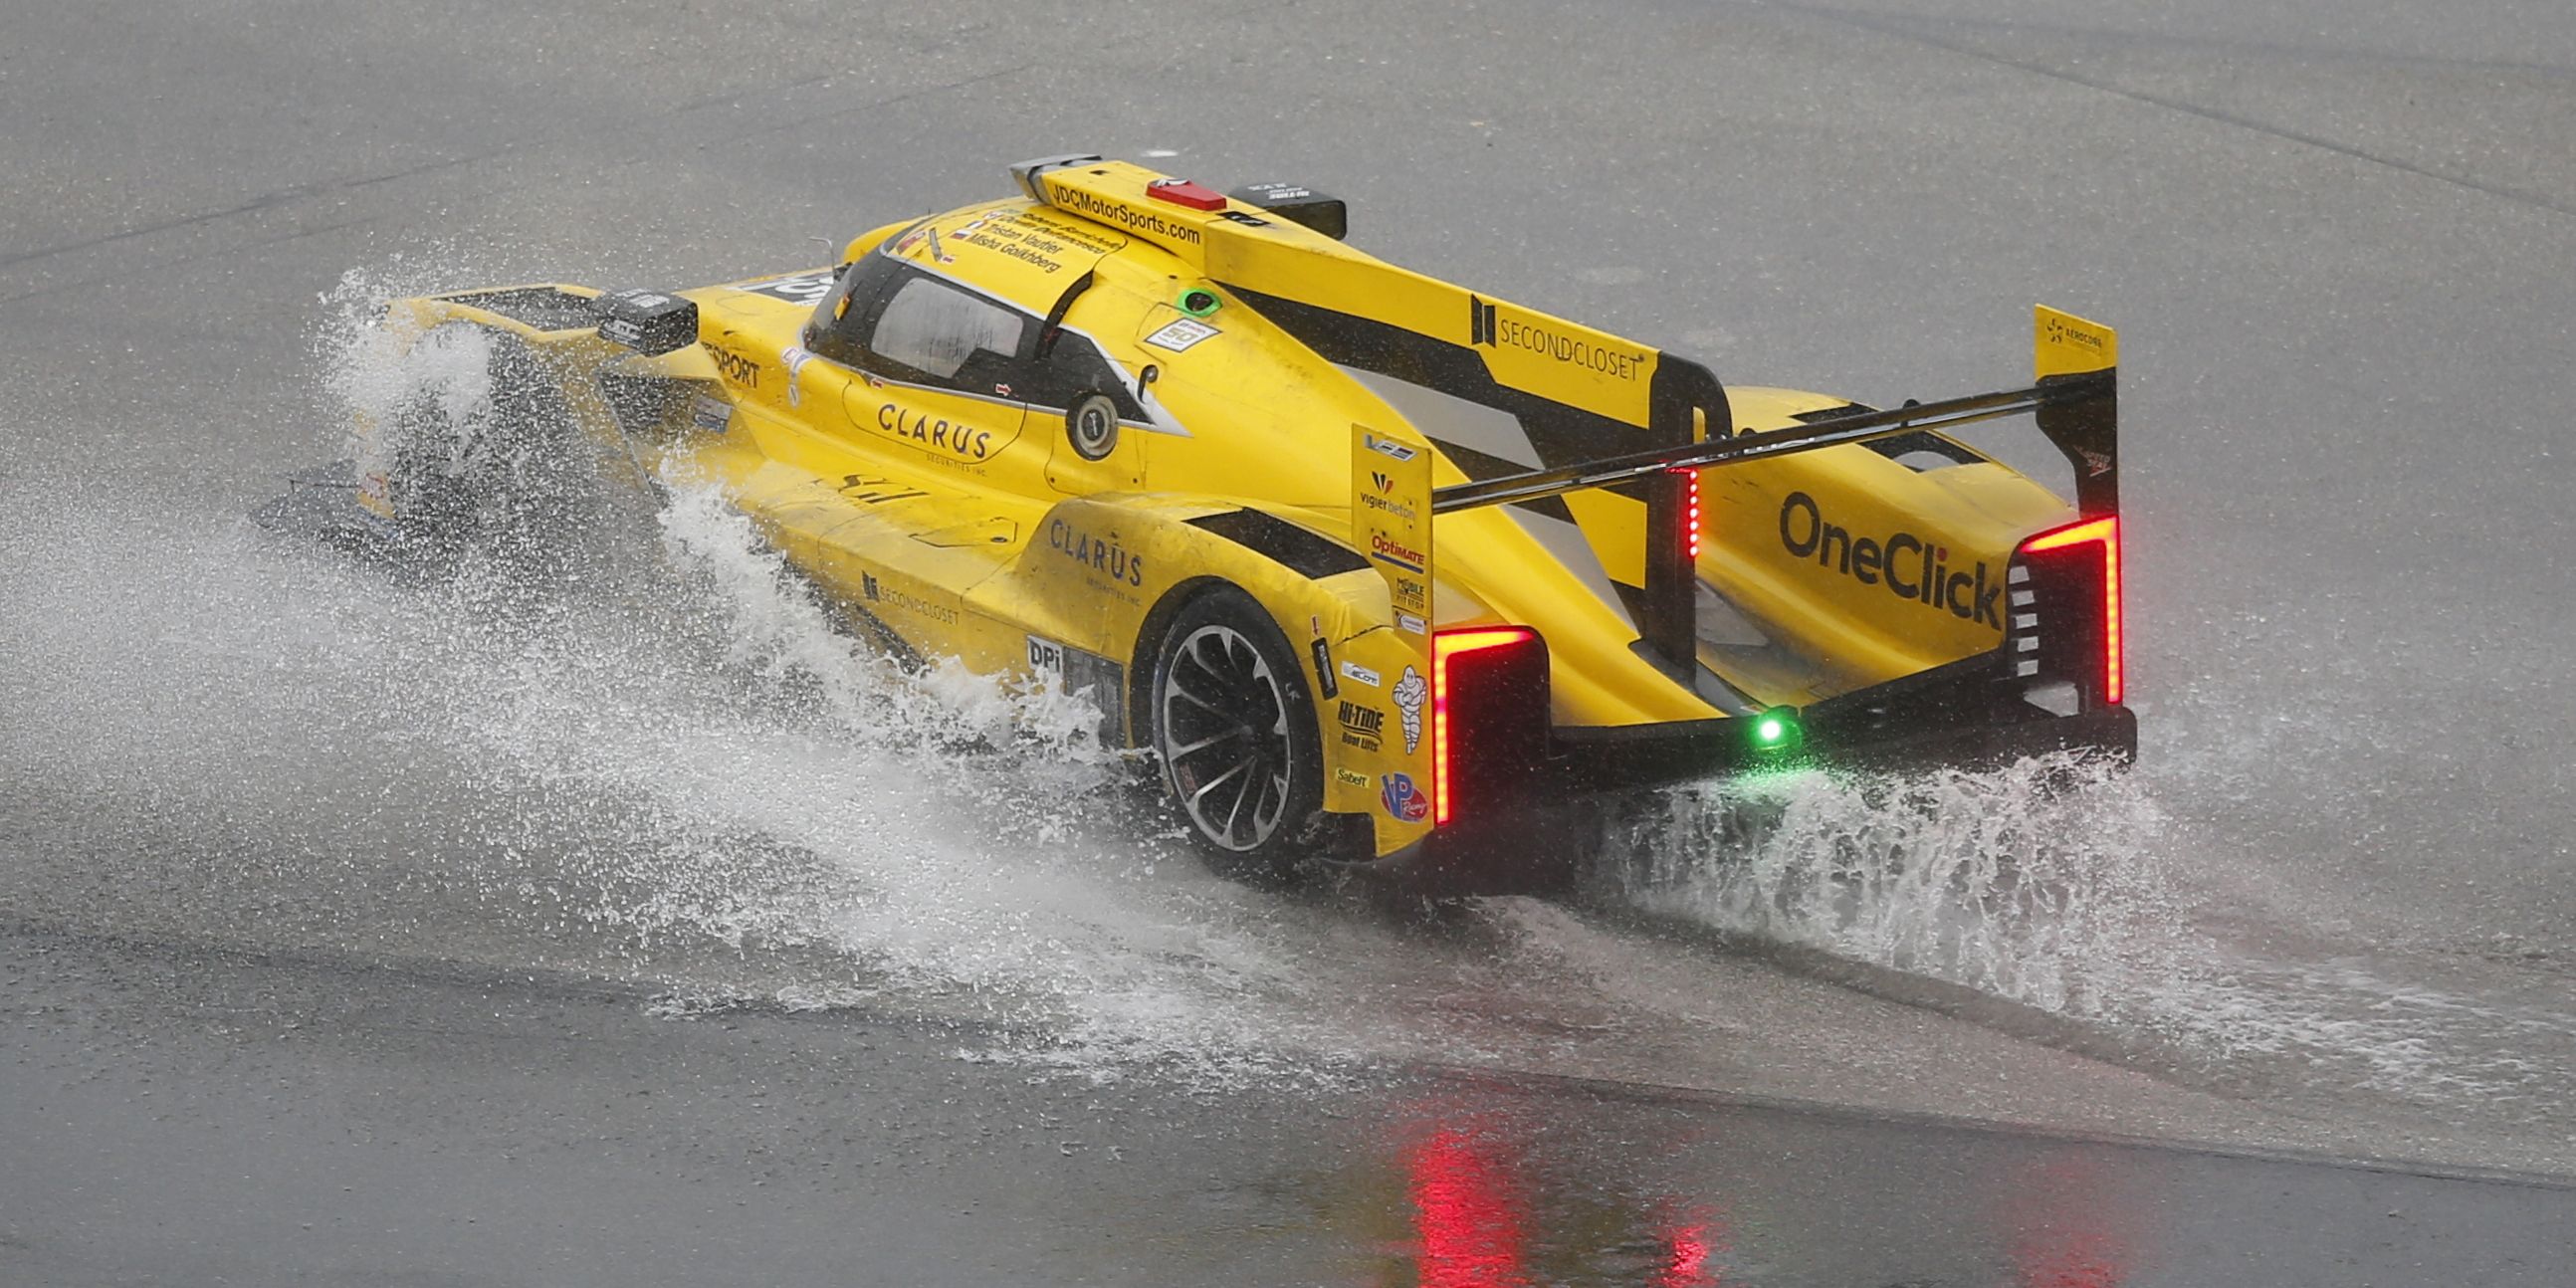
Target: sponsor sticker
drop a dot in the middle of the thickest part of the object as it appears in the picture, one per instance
(1101, 554)
(1361, 725)
(1396, 552)
(1349, 777)
(733, 366)
(1404, 802)
(944, 438)
(2061, 328)
(1410, 624)
(1410, 692)
(895, 597)
(1046, 656)
(1357, 673)
(1488, 327)
(711, 414)
(1110, 210)
(1910, 567)
(1391, 504)
(1179, 334)
(1382, 497)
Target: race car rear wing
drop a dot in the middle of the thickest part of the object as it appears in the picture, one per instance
(2075, 406)
(1470, 672)
(2073, 397)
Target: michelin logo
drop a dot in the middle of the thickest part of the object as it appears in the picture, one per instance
(1409, 693)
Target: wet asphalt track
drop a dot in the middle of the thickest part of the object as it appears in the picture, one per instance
(190, 1118)
(2337, 248)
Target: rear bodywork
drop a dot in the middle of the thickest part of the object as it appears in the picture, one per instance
(1525, 561)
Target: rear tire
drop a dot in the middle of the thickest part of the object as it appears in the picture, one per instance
(1232, 725)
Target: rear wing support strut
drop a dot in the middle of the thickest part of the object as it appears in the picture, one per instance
(2074, 399)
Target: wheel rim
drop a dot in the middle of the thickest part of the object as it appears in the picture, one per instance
(1223, 737)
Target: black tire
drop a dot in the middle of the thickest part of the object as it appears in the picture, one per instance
(485, 465)
(1232, 726)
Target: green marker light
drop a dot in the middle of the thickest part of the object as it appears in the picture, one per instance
(1775, 729)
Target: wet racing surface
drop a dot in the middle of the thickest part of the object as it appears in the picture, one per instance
(455, 1129)
(596, 912)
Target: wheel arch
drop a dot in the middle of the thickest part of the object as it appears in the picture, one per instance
(1175, 549)
(1149, 640)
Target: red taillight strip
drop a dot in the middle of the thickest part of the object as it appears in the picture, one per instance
(2107, 531)
(1446, 645)
(1690, 514)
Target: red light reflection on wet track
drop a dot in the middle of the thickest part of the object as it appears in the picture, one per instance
(1468, 1219)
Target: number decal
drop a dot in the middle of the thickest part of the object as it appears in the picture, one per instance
(799, 288)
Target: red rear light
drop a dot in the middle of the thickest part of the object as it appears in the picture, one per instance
(1183, 193)
(1445, 646)
(2106, 531)
(1690, 514)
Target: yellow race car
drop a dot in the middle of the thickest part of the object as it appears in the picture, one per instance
(1382, 571)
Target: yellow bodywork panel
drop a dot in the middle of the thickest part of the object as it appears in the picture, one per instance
(1522, 349)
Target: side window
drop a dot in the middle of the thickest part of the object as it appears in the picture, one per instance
(1073, 366)
(842, 318)
(940, 334)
